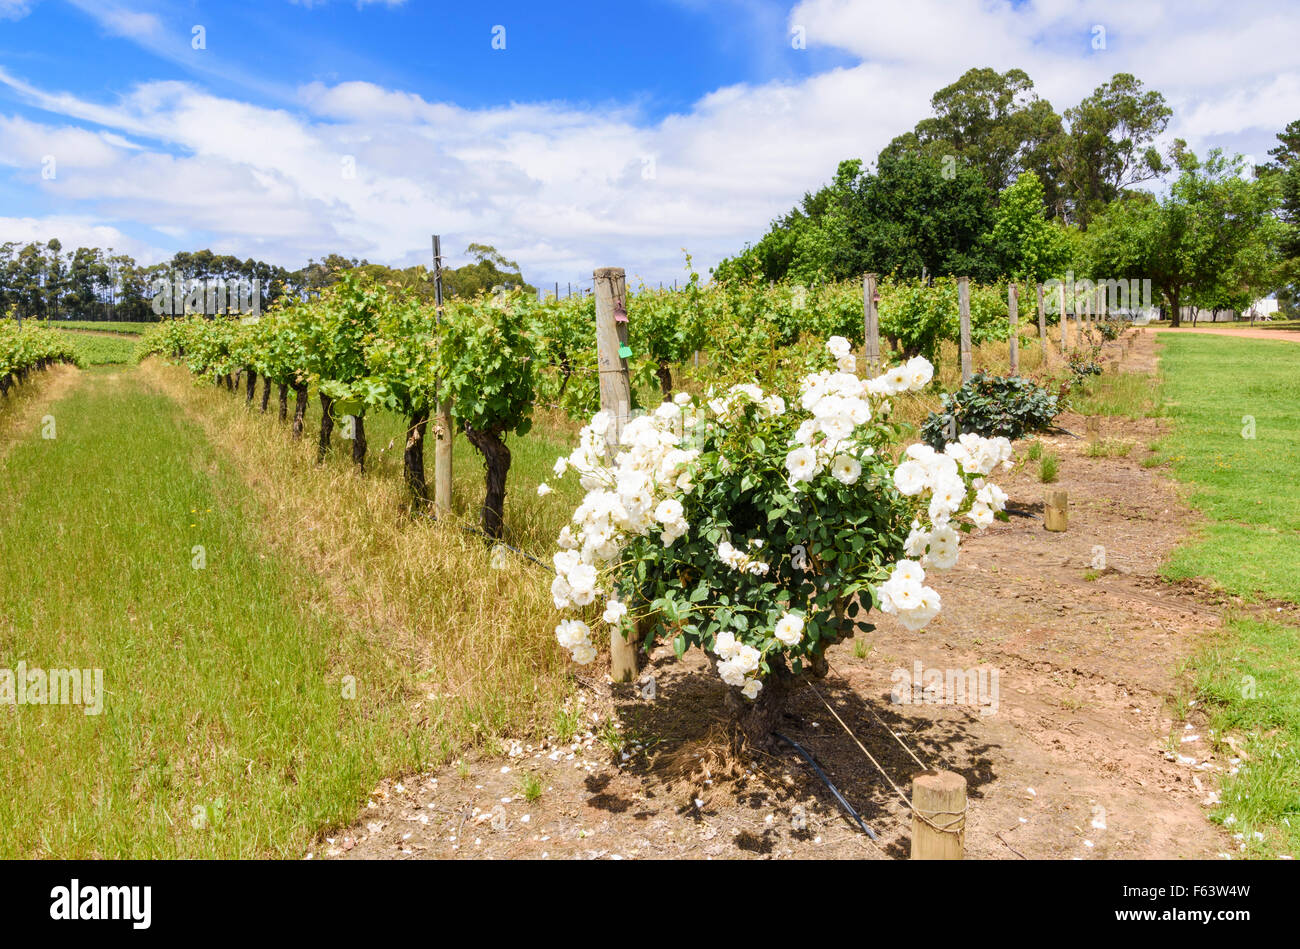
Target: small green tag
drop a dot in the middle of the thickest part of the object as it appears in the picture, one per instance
(624, 352)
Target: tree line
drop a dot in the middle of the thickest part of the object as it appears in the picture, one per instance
(996, 184)
(39, 280)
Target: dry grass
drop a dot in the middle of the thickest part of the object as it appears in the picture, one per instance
(22, 408)
(480, 639)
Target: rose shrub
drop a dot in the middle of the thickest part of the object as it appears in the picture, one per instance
(764, 530)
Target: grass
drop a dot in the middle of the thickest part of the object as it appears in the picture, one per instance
(482, 638)
(96, 350)
(1238, 325)
(1109, 448)
(1049, 467)
(1216, 388)
(329, 640)
(225, 729)
(1219, 391)
(104, 326)
(1246, 675)
(1124, 394)
(530, 786)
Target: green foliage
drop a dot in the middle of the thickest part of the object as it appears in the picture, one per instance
(1211, 242)
(920, 315)
(486, 360)
(1023, 242)
(32, 347)
(991, 406)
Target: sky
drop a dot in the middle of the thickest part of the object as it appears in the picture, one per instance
(568, 135)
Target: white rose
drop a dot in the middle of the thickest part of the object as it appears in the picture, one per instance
(911, 478)
(839, 346)
(789, 629)
(845, 469)
(802, 464)
(614, 611)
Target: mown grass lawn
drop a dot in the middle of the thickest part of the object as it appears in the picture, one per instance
(1235, 405)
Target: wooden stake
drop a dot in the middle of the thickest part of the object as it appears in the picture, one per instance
(443, 433)
(871, 323)
(610, 285)
(1062, 319)
(1094, 429)
(1042, 321)
(1056, 516)
(1013, 318)
(939, 816)
(963, 300)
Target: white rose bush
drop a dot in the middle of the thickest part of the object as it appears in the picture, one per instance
(763, 528)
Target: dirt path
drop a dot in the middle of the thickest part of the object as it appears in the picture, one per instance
(1079, 756)
(1290, 335)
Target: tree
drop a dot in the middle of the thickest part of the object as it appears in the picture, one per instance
(992, 121)
(1023, 242)
(916, 215)
(1211, 241)
(489, 271)
(1108, 148)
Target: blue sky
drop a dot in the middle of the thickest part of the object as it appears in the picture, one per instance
(601, 134)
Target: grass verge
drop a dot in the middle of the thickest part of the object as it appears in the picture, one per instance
(1235, 404)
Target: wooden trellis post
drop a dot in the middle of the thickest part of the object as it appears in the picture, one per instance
(610, 286)
(963, 302)
(1062, 319)
(871, 323)
(1013, 319)
(443, 433)
(1042, 321)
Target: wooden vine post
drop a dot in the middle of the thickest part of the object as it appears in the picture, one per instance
(871, 323)
(612, 351)
(1063, 319)
(443, 431)
(938, 816)
(1056, 510)
(963, 301)
(1042, 321)
(1013, 319)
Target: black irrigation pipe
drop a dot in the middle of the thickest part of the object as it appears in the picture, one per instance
(827, 781)
(1019, 513)
(1056, 429)
(498, 542)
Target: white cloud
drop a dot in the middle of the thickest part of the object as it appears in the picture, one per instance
(563, 189)
(15, 9)
(77, 231)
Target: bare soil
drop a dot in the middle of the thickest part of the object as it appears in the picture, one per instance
(1245, 333)
(1079, 756)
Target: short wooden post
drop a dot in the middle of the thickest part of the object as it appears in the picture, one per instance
(963, 302)
(1093, 429)
(610, 285)
(938, 816)
(871, 323)
(1013, 319)
(1056, 515)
